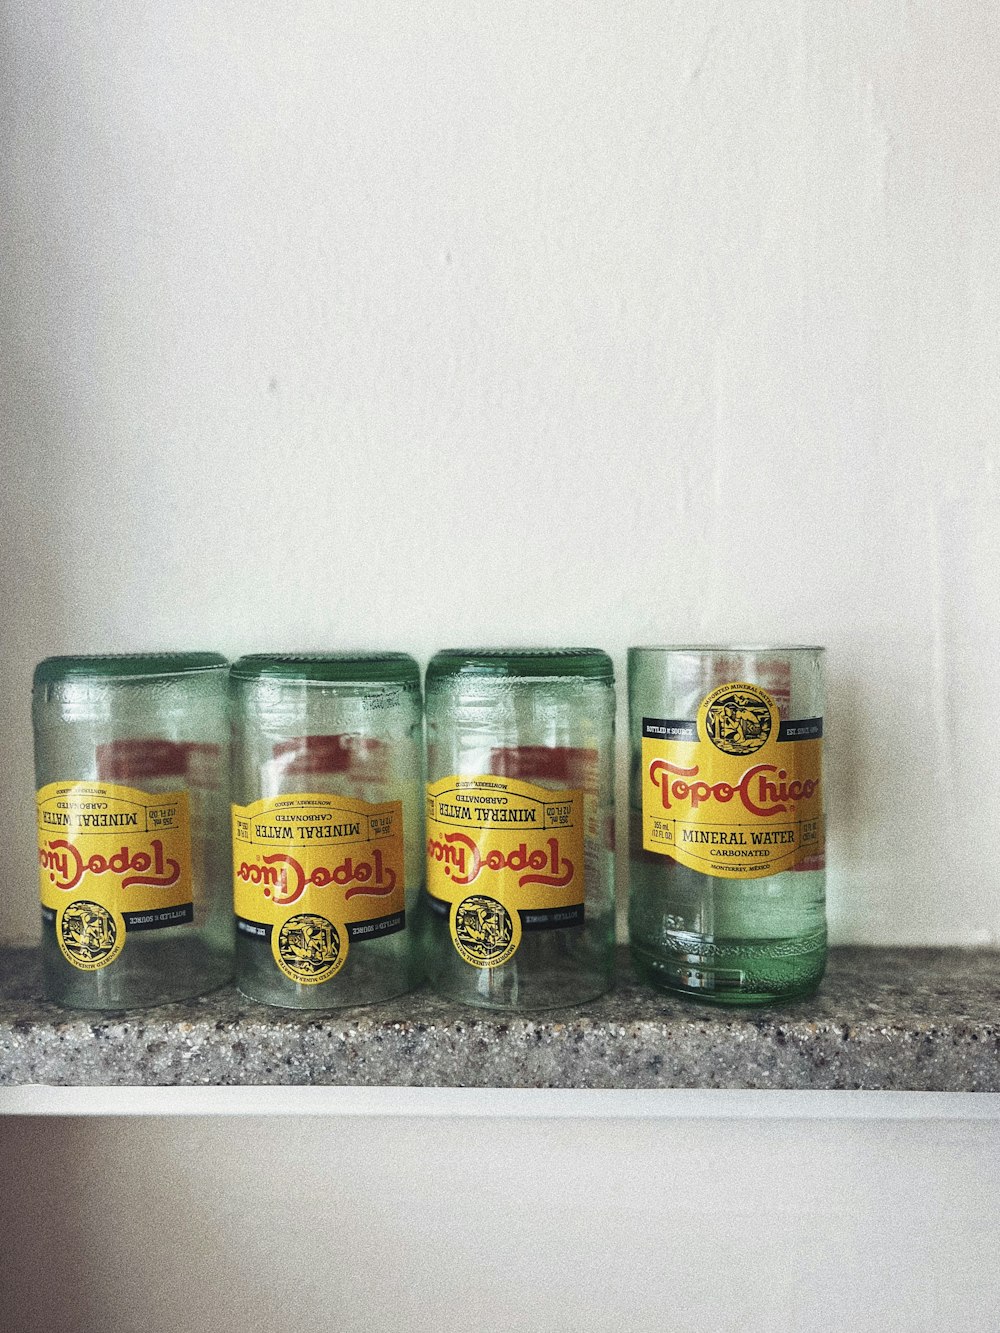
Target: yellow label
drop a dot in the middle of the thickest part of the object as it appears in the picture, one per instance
(312, 872)
(506, 856)
(111, 859)
(737, 793)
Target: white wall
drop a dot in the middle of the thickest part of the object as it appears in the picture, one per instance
(411, 324)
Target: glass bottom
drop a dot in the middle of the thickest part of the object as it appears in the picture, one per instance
(736, 971)
(551, 970)
(145, 974)
(375, 970)
(554, 992)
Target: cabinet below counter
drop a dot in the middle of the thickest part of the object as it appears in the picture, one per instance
(884, 1019)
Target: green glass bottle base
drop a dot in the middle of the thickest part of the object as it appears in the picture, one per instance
(737, 972)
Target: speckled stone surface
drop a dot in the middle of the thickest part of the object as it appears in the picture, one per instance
(901, 1019)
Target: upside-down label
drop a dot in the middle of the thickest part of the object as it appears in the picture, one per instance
(313, 873)
(503, 856)
(737, 792)
(112, 860)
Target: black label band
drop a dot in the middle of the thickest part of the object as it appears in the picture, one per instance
(553, 918)
(676, 729)
(376, 927)
(548, 918)
(182, 914)
(668, 729)
(159, 918)
(254, 930)
(806, 729)
(357, 931)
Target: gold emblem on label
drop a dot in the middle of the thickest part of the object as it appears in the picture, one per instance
(484, 932)
(739, 718)
(90, 937)
(309, 949)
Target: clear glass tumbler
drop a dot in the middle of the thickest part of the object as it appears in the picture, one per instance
(132, 769)
(328, 849)
(519, 911)
(727, 863)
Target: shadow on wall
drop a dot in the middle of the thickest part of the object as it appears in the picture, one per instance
(50, 399)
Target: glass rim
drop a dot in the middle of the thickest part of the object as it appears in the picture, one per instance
(359, 668)
(124, 666)
(484, 664)
(728, 648)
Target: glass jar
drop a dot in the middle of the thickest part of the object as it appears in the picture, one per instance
(727, 863)
(327, 826)
(131, 765)
(519, 910)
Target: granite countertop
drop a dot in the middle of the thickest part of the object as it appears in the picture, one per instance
(899, 1019)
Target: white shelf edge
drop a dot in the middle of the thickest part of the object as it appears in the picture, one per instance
(531, 1103)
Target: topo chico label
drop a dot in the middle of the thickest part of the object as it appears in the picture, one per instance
(112, 860)
(736, 793)
(503, 856)
(314, 873)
